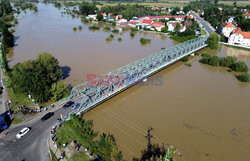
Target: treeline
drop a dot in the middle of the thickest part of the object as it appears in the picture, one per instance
(128, 11)
(7, 37)
(5, 8)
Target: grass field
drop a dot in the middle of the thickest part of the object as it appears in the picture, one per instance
(18, 100)
(17, 120)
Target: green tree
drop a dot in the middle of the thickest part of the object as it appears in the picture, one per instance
(99, 16)
(164, 29)
(213, 41)
(87, 8)
(8, 38)
(177, 27)
(36, 77)
(239, 67)
(59, 90)
(243, 77)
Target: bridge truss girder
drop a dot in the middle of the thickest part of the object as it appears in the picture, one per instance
(103, 87)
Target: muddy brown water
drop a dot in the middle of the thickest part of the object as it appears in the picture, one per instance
(203, 111)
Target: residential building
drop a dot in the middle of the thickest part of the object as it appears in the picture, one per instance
(92, 17)
(158, 25)
(227, 29)
(247, 15)
(239, 38)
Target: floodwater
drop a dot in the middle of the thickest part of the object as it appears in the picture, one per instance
(203, 111)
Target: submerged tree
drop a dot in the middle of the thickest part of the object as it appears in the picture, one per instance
(36, 77)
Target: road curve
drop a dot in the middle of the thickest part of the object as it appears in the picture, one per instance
(33, 146)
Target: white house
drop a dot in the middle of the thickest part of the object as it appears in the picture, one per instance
(247, 15)
(122, 21)
(239, 38)
(133, 23)
(158, 25)
(227, 29)
(231, 19)
(145, 23)
(171, 25)
(92, 17)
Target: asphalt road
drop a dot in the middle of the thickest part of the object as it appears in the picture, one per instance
(32, 146)
(207, 27)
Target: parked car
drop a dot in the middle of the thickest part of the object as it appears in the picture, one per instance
(76, 105)
(68, 104)
(47, 116)
(22, 132)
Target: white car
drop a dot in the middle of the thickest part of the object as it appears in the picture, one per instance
(22, 132)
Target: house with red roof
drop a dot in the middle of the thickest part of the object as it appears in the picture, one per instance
(158, 25)
(133, 23)
(145, 23)
(121, 21)
(247, 15)
(239, 37)
(227, 29)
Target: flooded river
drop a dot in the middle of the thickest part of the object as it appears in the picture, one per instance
(203, 111)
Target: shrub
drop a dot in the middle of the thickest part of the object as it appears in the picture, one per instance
(106, 28)
(124, 28)
(214, 61)
(144, 41)
(80, 27)
(94, 27)
(239, 67)
(185, 59)
(164, 29)
(109, 38)
(132, 34)
(227, 61)
(74, 29)
(119, 39)
(111, 35)
(115, 31)
(188, 64)
(113, 24)
(205, 55)
(210, 60)
(133, 29)
(243, 77)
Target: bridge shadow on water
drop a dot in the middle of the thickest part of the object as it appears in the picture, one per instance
(66, 70)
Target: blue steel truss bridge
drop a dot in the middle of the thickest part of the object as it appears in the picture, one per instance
(96, 91)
